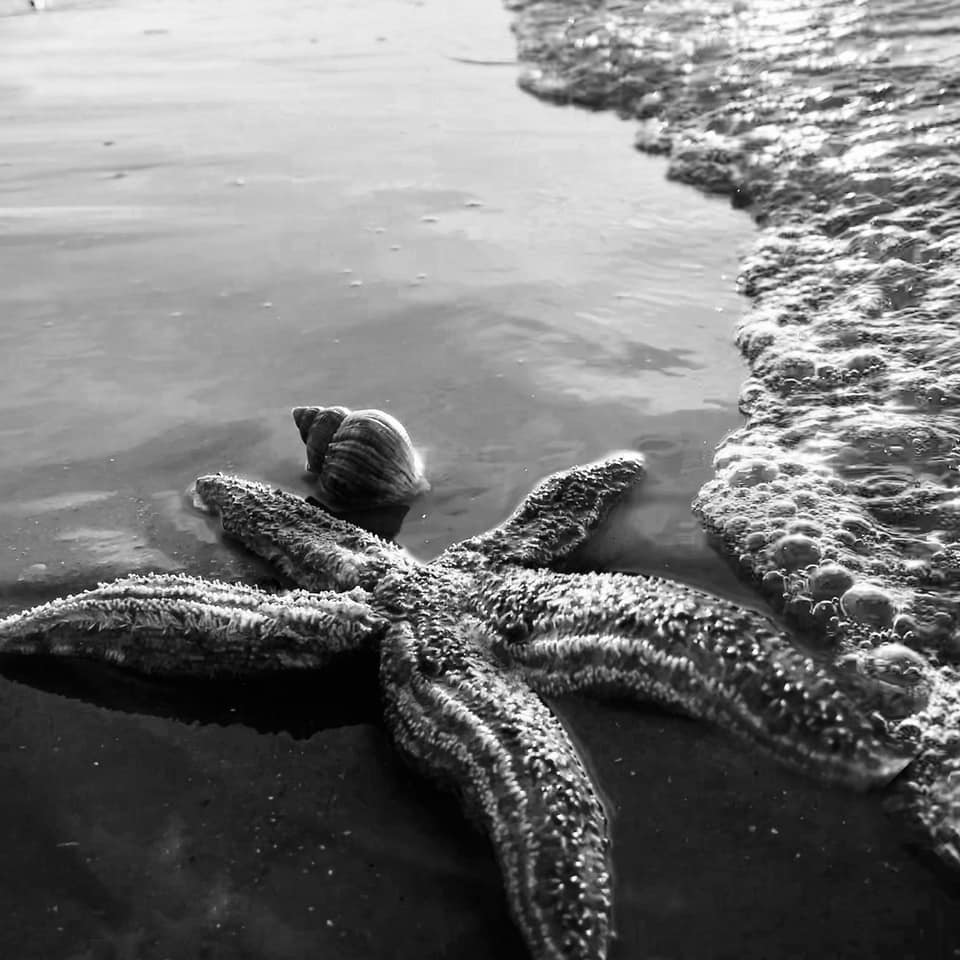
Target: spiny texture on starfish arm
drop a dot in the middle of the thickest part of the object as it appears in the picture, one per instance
(559, 514)
(476, 729)
(312, 547)
(181, 625)
(655, 640)
(466, 645)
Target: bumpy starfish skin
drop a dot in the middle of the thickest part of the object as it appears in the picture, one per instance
(313, 548)
(655, 640)
(467, 643)
(180, 625)
(476, 728)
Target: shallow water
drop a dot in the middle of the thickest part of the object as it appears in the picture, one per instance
(234, 217)
(212, 212)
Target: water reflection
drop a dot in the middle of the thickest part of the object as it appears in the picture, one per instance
(209, 214)
(333, 243)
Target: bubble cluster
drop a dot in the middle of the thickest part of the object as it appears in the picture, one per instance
(836, 126)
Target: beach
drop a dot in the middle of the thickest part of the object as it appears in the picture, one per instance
(212, 213)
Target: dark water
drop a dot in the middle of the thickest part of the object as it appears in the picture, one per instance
(212, 212)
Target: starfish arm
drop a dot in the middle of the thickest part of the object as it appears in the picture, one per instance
(468, 725)
(312, 547)
(180, 625)
(560, 513)
(663, 642)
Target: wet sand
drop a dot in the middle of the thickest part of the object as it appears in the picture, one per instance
(206, 222)
(209, 214)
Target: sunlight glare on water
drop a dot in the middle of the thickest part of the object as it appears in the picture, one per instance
(210, 214)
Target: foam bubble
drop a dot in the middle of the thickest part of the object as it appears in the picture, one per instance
(839, 135)
(830, 581)
(869, 603)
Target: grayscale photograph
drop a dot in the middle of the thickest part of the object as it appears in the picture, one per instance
(480, 480)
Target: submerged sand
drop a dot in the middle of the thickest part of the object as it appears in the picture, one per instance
(179, 225)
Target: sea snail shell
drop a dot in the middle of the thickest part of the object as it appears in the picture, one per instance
(362, 458)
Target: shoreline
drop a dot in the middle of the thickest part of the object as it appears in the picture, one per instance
(153, 836)
(837, 131)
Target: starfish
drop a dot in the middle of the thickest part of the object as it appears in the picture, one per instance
(468, 645)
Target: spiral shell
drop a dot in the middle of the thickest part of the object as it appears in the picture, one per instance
(362, 458)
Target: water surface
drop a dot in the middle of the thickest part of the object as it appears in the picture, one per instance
(208, 218)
